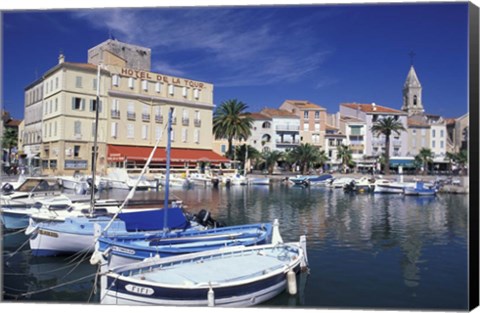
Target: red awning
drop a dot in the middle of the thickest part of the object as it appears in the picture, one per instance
(134, 153)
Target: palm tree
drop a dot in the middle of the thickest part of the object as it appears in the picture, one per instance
(244, 153)
(425, 156)
(9, 140)
(322, 159)
(306, 155)
(386, 126)
(345, 154)
(270, 159)
(451, 158)
(230, 121)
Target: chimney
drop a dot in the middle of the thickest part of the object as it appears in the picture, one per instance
(61, 58)
(374, 108)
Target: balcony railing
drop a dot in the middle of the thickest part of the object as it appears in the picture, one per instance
(145, 117)
(287, 127)
(159, 118)
(115, 113)
(185, 121)
(284, 142)
(197, 122)
(131, 115)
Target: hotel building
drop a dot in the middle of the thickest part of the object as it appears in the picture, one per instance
(133, 107)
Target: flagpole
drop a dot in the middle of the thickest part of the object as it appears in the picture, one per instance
(94, 157)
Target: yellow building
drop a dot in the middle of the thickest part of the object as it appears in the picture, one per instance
(133, 109)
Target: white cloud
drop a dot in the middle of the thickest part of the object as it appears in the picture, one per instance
(238, 46)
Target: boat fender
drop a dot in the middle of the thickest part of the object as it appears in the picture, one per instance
(211, 297)
(7, 189)
(292, 283)
(303, 246)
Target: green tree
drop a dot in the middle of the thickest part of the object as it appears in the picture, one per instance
(387, 126)
(246, 152)
(9, 140)
(231, 121)
(425, 157)
(322, 159)
(306, 155)
(345, 154)
(270, 159)
(451, 158)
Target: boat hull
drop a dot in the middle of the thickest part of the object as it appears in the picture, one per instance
(236, 277)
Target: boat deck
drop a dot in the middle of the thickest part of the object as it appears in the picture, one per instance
(218, 270)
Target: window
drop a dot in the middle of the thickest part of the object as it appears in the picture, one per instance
(317, 127)
(46, 87)
(93, 129)
(158, 87)
(433, 133)
(56, 104)
(266, 125)
(441, 133)
(317, 115)
(114, 129)
(115, 80)
(184, 91)
(50, 130)
(171, 90)
(305, 126)
(196, 135)
(94, 84)
(131, 82)
(93, 105)
(56, 82)
(115, 111)
(184, 134)
(55, 128)
(415, 100)
(305, 114)
(78, 103)
(173, 135)
(423, 132)
(130, 131)
(76, 151)
(144, 131)
(78, 81)
(441, 144)
(77, 128)
(145, 85)
(433, 143)
(158, 132)
(131, 111)
(223, 148)
(196, 93)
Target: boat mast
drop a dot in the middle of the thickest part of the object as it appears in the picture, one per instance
(167, 171)
(95, 148)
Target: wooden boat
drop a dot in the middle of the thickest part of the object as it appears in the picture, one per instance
(134, 247)
(234, 276)
(420, 190)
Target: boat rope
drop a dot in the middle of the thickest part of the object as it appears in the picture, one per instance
(22, 230)
(12, 254)
(95, 284)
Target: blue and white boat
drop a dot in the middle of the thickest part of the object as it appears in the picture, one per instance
(234, 276)
(420, 190)
(134, 247)
(311, 180)
(76, 234)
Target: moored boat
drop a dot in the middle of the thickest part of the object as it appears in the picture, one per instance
(233, 276)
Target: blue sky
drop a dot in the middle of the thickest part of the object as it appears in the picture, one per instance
(262, 55)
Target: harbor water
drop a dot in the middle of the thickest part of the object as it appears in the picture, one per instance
(367, 251)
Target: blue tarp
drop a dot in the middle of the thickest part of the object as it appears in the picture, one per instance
(402, 162)
(154, 219)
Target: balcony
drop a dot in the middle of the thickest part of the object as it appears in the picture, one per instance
(294, 128)
(287, 143)
(146, 117)
(131, 116)
(174, 120)
(115, 114)
(185, 121)
(159, 118)
(197, 122)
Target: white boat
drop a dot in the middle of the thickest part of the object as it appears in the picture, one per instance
(118, 178)
(235, 179)
(420, 189)
(360, 185)
(258, 181)
(340, 182)
(234, 276)
(174, 180)
(388, 186)
(203, 179)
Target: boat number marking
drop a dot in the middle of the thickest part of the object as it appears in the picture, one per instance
(48, 233)
(139, 290)
(123, 250)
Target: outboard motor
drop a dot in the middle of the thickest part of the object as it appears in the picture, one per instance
(205, 219)
(7, 189)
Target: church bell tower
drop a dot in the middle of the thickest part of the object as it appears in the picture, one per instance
(412, 94)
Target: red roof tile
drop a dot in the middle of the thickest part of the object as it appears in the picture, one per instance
(370, 108)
